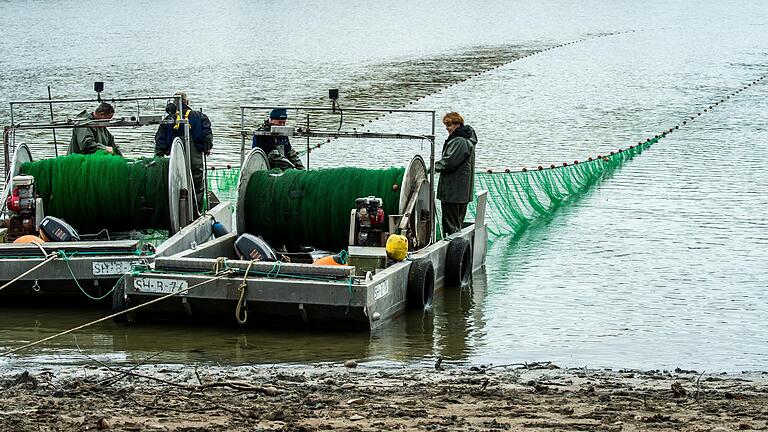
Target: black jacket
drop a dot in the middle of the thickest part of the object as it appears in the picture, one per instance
(457, 167)
(200, 132)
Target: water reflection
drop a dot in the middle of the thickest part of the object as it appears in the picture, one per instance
(453, 329)
(460, 324)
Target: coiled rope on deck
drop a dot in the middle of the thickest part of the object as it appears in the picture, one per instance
(102, 191)
(303, 208)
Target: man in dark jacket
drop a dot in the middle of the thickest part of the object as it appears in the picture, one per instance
(201, 137)
(88, 140)
(457, 172)
(278, 149)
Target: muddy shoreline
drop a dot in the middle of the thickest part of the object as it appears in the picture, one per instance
(536, 397)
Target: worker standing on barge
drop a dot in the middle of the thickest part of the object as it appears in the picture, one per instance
(88, 140)
(457, 172)
(201, 135)
(278, 149)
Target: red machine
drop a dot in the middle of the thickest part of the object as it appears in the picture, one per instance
(369, 222)
(22, 208)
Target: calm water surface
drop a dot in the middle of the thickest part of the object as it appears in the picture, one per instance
(661, 265)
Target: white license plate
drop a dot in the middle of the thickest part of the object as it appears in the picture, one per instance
(163, 286)
(381, 290)
(101, 268)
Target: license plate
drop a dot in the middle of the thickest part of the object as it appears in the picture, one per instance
(162, 286)
(381, 290)
(101, 268)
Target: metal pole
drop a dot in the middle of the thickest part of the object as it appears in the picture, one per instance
(59, 101)
(205, 183)
(7, 149)
(242, 137)
(50, 106)
(432, 181)
(308, 149)
(188, 151)
(323, 108)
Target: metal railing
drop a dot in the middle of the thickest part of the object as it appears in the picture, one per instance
(308, 132)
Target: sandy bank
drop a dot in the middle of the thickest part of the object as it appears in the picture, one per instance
(332, 397)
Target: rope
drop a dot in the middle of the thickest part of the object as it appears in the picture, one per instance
(349, 296)
(48, 259)
(80, 327)
(39, 246)
(66, 260)
(275, 268)
(241, 306)
(344, 256)
(220, 265)
(472, 74)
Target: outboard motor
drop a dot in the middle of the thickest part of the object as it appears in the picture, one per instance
(251, 247)
(54, 229)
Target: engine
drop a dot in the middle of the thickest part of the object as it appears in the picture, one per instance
(21, 207)
(370, 229)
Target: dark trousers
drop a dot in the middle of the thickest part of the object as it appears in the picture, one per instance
(453, 217)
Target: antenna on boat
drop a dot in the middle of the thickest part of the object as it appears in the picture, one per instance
(50, 106)
(98, 87)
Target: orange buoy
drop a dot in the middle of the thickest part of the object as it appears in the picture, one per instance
(329, 260)
(28, 239)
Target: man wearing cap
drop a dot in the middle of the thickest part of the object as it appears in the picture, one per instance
(278, 149)
(201, 137)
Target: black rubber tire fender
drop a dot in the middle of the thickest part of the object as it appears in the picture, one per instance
(458, 263)
(421, 284)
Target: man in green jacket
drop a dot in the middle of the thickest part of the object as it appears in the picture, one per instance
(87, 140)
(457, 172)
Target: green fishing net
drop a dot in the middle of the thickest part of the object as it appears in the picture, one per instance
(312, 208)
(223, 183)
(515, 199)
(102, 191)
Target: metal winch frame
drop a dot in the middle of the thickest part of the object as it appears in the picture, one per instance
(49, 269)
(181, 186)
(416, 189)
